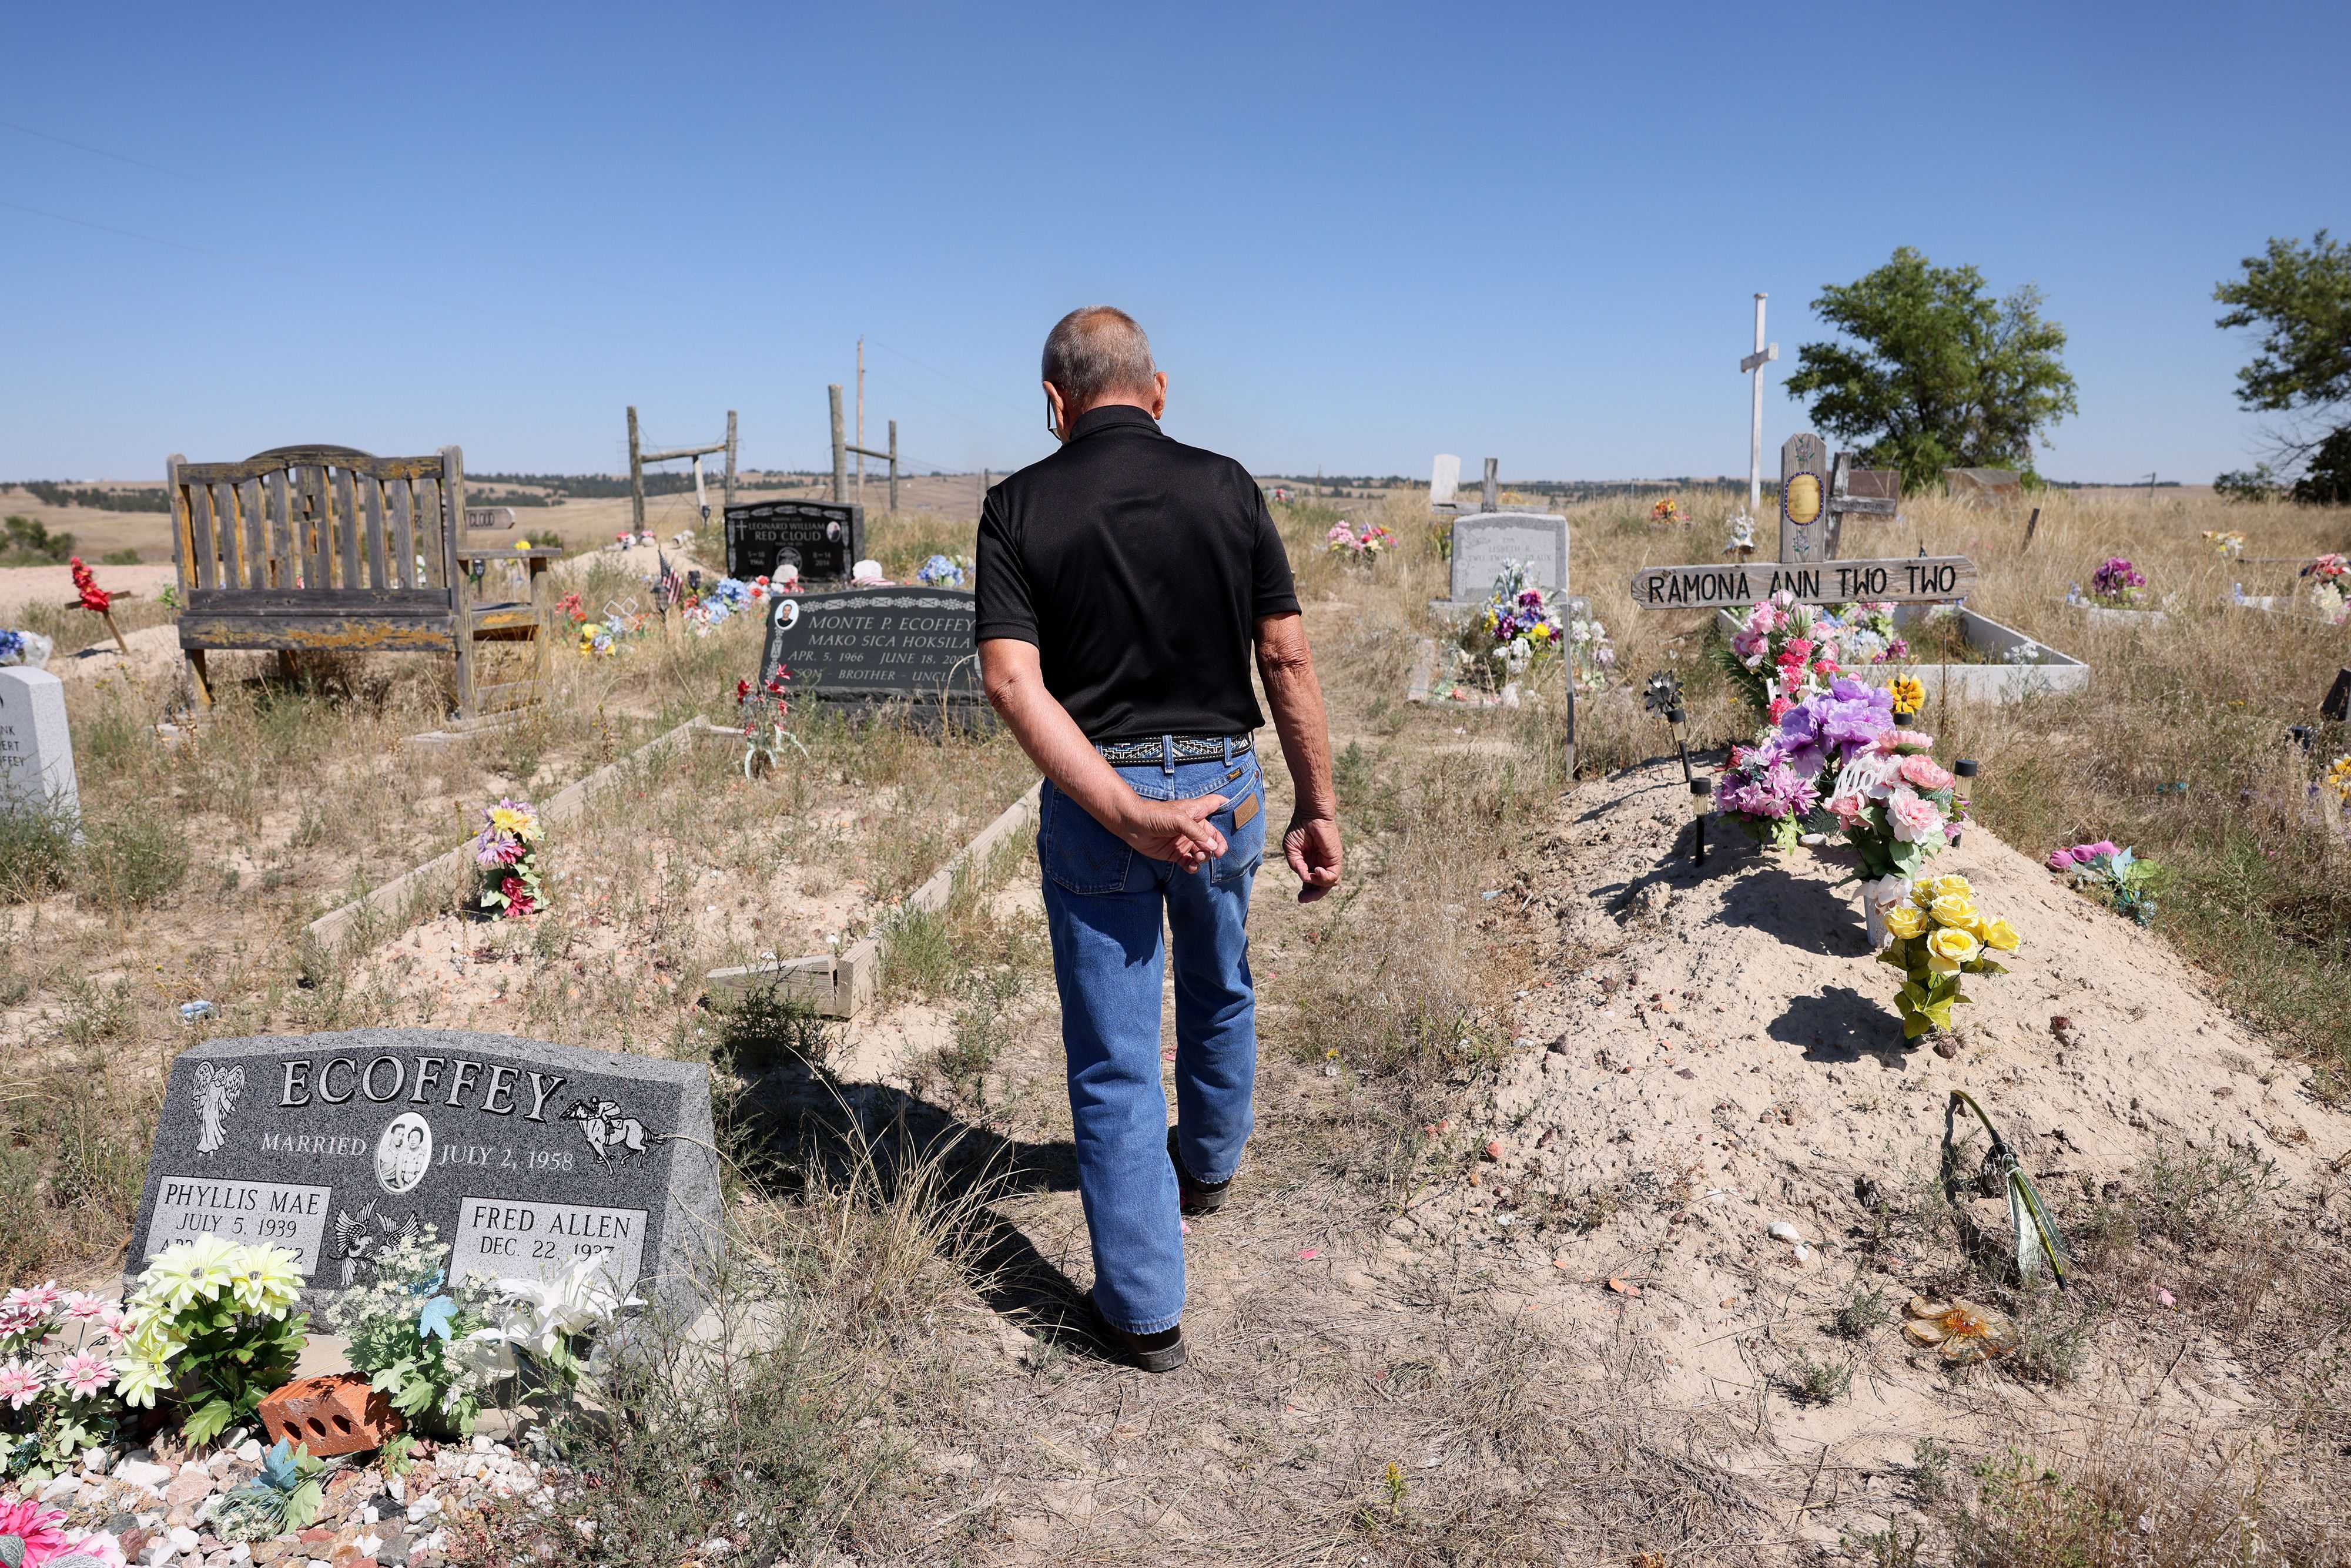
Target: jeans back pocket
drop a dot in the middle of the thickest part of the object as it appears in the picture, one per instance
(1242, 822)
(1079, 853)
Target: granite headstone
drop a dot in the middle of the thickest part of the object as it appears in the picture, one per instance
(1444, 480)
(879, 644)
(824, 540)
(1484, 542)
(36, 762)
(524, 1156)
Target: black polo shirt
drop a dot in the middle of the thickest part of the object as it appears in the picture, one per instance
(1140, 567)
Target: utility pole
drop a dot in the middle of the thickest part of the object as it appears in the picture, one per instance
(861, 420)
(1753, 366)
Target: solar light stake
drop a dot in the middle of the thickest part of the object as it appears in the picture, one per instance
(1964, 771)
(1701, 802)
(1677, 720)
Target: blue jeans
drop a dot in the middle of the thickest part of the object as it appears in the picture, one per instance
(1104, 906)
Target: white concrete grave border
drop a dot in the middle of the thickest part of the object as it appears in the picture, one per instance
(2059, 671)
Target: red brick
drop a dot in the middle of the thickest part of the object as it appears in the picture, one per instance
(331, 1416)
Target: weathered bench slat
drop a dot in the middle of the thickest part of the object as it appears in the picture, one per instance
(318, 601)
(200, 523)
(309, 510)
(281, 531)
(178, 503)
(403, 532)
(428, 528)
(370, 633)
(248, 505)
(231, 529)
(372, 494)
(347, 529)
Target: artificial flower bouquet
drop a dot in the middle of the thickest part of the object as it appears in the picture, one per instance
(1591, 656)
(212, 1328)
(1358, 546)
(1785, 651)
(60, 1361)
(404, 1326)
(1837, 761)
(35, 1535)
(1938, 935)
(1511, 632)
(2330, 586)
(2113, 875)
(2227, 546)
(2117, 584)
(506, 850)
(1668, 512)
(941, 571)
(764, 709)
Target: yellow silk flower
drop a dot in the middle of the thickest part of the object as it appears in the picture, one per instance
(1950, 947)
(1999, 934)
(1905, 922)
(1955, 910)
(1948, 884)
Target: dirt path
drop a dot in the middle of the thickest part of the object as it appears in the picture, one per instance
(1590, 1336)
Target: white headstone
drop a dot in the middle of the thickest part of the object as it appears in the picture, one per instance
(37, 765)
(1484, 542)
(1444, 481)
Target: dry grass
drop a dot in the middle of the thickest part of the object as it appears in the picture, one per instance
(904, 1364)
(2205, 702)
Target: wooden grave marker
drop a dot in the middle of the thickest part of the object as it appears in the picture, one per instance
(1904, 579)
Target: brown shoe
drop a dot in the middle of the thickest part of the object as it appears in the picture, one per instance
(1196, 1197)
(1161, 1352)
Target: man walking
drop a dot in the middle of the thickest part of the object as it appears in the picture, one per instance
(1124, 584)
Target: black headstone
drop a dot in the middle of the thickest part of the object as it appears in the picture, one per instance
(874, 644)
(2336, 704)
(525, 1156)
(824, 540)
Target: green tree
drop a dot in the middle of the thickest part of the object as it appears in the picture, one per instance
(1938, 374)
(2299, 297)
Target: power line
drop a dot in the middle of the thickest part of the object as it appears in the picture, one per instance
(85, 147)
(992, 397)
(104, 228)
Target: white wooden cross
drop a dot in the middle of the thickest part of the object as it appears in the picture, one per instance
(1752, 365)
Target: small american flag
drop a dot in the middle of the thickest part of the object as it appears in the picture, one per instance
(666, 586)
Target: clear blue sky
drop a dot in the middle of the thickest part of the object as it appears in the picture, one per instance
(1358, 235)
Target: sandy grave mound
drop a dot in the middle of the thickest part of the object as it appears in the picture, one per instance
(1713, 1051)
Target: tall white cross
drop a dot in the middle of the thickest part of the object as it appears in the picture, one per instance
(1752, 365)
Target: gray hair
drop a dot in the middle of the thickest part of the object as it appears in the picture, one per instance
(1094, 352)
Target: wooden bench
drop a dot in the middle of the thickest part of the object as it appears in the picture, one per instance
(314, 547)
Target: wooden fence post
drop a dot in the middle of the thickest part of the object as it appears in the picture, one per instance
(636, 477)
(840, 449)
(727, 491)
(893, 465)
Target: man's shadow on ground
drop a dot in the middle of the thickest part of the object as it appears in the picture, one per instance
(798, 1119)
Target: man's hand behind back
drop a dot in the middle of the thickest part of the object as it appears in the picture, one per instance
(1176, 830)
(1311, 846)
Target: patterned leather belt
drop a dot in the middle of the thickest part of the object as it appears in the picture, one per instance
(1188, 748)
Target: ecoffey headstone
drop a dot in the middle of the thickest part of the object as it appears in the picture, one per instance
(525, 1157)
(36, 764)
(1484, 542)
(871, 645)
